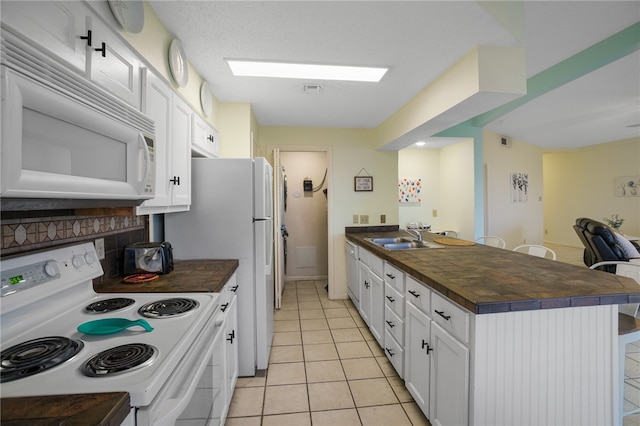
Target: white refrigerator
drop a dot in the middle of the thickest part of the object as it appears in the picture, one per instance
(231, 218)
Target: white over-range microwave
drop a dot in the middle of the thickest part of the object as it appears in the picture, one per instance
(65, 141)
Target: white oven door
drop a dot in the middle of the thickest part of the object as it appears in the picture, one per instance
(55, 146)
(195, 393)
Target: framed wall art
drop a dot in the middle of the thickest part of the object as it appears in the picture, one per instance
(628, 186)
(363, 183)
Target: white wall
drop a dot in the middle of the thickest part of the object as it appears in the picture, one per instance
(456, 189)
(580, 183)
(306, 216)
(418, 163)
(516, 223)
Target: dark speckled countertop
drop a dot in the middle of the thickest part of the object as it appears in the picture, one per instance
(485, 279)
(104, 409)
(188, 276)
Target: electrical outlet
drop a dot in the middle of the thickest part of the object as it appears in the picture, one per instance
(383, 218)
(100, 248)
(364, 219)
(355, 218)
(434, 213)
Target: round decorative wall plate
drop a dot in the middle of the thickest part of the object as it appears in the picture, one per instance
(178, 63)
(129, 14)
(206, 100)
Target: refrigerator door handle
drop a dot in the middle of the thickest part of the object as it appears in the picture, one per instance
(259, 219)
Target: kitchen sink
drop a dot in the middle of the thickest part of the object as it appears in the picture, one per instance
(402, 243)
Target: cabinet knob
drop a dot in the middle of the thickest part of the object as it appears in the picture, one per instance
(441, 313)
(210, 138)
(103, 49)
(414, 294)
(175, 180)
(87, 37)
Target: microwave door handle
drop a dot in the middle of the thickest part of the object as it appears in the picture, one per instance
(146, 160)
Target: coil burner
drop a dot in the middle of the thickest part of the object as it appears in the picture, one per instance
(37, 355)
(119, 360)
(109, 305)
(168, 308)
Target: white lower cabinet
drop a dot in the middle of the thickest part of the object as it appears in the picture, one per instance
(365, 292)
(417, 353)
(436, 363)
(449, 381)
(377, 307)
(227, 351)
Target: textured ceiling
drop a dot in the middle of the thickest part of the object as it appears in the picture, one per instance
(418, 40)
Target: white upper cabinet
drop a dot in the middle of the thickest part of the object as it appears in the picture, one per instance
(205, 141)
(58, 27)
(172, 149)
(72, 33)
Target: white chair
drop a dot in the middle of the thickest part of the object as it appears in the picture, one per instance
(536, 250)
(628, 327)
(489, 240)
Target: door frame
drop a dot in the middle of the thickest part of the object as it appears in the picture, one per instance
(329, 158)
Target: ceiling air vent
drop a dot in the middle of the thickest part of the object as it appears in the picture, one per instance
(312, 89)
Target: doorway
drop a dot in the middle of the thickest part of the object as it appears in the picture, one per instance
(306, 217)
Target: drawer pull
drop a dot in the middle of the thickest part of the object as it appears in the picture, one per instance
(414, 294)
(391, 276)
(232, 336)
(366, 284)
(429, 348)
(234, 288)
(389, 351)
(390, 324)
(175, 180)
(391, 299)
(441, 313)
(224, 307)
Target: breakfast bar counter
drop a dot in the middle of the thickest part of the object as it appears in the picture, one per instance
(486, 279)
(526, 341)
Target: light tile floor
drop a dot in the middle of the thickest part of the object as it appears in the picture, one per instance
(325, 369)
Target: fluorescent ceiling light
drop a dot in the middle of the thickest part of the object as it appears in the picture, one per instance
(305, 71)
(421, 143)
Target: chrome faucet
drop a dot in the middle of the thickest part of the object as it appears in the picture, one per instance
(415, 233)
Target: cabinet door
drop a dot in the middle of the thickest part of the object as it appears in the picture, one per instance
(365, 292)
(112, 65)
(231, 336)
(52, 25)
(352, 273)
(417, 355)
(205, 140)
(157, 104)
(180, 176)
(449, 389)
(377, 307)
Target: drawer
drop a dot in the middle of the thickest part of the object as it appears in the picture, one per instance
(394, 300)
(395, 353)
(450, 316)
(394, 276)
(363, 256)
(227, 293)
(375, 264)
(419, 295)
(394, 325)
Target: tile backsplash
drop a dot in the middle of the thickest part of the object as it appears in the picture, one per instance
(20, 235)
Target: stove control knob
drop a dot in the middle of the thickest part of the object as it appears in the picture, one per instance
(51, 269)
(78, 260)
(91, 258)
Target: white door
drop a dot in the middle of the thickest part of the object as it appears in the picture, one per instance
(278, 219)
